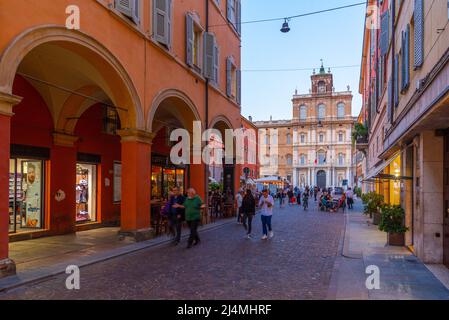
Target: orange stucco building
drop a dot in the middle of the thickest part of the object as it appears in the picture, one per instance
(86, 114)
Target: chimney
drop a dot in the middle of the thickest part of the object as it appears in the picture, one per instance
(250, 119)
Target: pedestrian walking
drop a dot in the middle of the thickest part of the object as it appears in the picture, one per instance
(238, 203)
(176, 215)
(266, 204)
(298, 198)
(305, 200)
(192, 205)
(249, 211)
(350, 198)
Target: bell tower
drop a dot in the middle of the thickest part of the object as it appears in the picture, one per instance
(322, 83)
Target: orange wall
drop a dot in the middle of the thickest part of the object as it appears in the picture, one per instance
(135, 49)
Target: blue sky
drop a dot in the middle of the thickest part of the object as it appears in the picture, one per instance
(336, 37)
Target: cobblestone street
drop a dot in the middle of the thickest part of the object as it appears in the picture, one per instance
(296, 264)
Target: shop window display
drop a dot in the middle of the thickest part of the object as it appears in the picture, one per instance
(86, 182)
(25, 195)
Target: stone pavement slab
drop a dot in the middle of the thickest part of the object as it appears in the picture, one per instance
(402, 275)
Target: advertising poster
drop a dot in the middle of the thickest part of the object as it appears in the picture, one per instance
(33, 193)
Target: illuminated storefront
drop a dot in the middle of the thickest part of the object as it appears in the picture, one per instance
(165, 176)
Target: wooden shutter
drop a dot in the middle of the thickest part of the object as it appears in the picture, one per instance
(231, 11)
(239, 16)
(419, 34)
(384, 35)
(160, 21)
(216, 64)
(209, 46)
(405, 58)
(396, 80)
(125, 7)
(239, 87)
(229, 77)
(136, 11)
(168, 27)
(389, 102)
(189, 40)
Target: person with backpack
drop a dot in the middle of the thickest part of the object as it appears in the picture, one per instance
(249, 211)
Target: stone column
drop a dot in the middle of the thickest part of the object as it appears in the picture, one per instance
(295, 177)
(429, 231)
(7, 266)
(136, 184)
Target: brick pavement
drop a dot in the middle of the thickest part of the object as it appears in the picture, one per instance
(296, 264)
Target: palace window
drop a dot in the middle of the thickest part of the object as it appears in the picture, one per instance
(340, 111)
(321, 112)
(303, 113)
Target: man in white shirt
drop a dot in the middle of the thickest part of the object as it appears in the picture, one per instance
(266, 203)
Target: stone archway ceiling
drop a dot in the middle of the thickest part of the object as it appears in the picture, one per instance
(61, 67)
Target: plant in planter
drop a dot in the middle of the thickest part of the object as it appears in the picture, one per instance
(392, 222)
(360, 133)
(373, 202)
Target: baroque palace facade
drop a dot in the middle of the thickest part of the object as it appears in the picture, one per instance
(315, 147)
(86, 113)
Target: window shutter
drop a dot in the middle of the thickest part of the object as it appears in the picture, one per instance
(216, 64)
(396, 80)
(239, 16)
(403, 61)
(136, 11)
(239, 87)
(405, 58)
(389, 102)
(231, 11)
(419, 33)
(160, 21)
(229, 77)
(125, 7)
(189, 40)
(209, 46)
(169, 22)
(384, 36)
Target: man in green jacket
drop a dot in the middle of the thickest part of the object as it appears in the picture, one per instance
(192, 205)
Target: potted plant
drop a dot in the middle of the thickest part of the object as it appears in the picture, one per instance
(392, 222)
(373, 202)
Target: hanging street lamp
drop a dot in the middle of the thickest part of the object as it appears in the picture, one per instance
(285, 28)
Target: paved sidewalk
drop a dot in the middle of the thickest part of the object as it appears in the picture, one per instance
(43, 258)
(402, 275)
